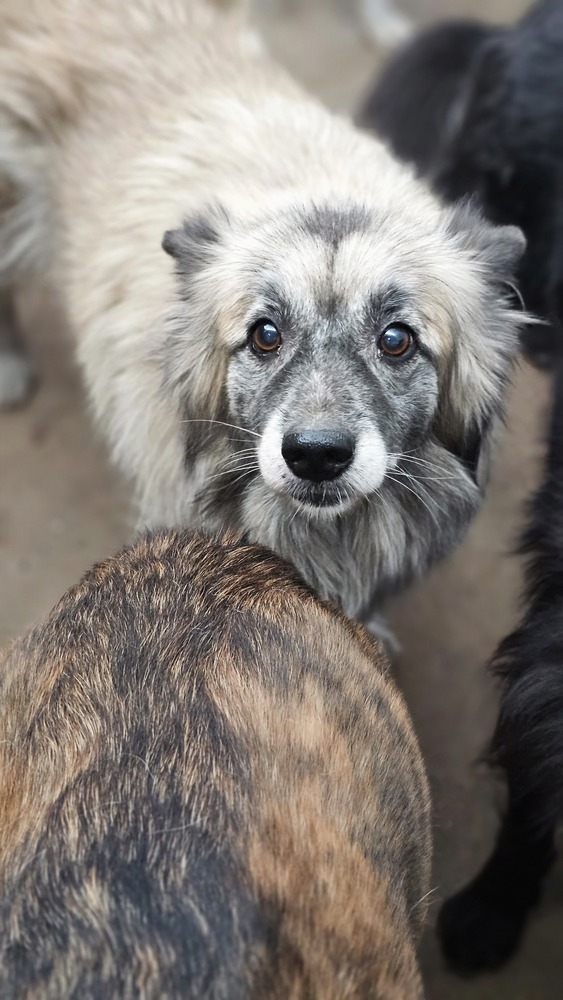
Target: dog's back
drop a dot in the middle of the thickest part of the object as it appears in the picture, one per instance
(479, 110)
(208, 787)
(465, 91)
(416, 99)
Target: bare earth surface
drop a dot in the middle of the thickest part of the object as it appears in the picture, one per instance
(61, 507)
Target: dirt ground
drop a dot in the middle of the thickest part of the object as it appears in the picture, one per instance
(62, 507)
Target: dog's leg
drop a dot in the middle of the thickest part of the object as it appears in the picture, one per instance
(16, 376)
(481, 927)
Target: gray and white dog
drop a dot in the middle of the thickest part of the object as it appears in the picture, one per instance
(324, 363)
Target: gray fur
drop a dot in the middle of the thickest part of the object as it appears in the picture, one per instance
(355, 542)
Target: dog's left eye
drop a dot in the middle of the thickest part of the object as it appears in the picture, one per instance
(264, 337)
(397, 342)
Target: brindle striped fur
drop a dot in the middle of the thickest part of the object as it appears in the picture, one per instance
(208, 788)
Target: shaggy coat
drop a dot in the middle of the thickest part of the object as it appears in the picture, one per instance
(209, 787)
(317, 293)
(479, 110)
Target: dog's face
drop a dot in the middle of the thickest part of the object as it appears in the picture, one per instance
(343, 353)
(334, 368)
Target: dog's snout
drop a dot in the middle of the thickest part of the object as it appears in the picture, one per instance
(318, 455)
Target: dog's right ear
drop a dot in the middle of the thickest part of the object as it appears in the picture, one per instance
(194, 361)
(192, 245)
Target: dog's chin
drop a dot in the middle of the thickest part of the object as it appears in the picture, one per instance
(320, 501)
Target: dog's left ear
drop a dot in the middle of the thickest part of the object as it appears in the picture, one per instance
(488, 320)
(498, 248)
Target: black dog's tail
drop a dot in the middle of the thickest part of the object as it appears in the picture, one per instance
(417, 98)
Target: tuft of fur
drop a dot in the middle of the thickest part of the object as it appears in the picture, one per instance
(116, 124)
(478, 110)
(209, 786)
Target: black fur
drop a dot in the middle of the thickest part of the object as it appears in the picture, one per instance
(481, 926)
(438, 62)
(479, 111)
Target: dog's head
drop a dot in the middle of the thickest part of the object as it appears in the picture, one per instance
(343, 340)
(360, 352)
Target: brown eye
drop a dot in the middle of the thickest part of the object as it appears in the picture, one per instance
(397, 342)
(264, 337)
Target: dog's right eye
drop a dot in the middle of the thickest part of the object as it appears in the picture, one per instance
(264, 337)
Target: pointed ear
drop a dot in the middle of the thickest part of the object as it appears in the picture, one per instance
(489, 318)
(192, 245)
(499, 248)
(193, 358)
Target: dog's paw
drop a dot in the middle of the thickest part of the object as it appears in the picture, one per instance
(477, 934)
(16, 379)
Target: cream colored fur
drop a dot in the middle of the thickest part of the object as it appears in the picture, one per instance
(117, 119)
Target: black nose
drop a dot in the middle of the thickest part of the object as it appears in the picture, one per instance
(318, 455)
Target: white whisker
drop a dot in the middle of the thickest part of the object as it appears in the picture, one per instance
(427, 479)
(243, 470)
(424, 898)
(221, 423)
(415, 459)
(418, 497)
(419, 480)
(234, 461)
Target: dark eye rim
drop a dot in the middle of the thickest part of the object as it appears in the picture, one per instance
(407, 353)
(262, 352)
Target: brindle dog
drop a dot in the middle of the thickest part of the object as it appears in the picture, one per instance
(209, 787)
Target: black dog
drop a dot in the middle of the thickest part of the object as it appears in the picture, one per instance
(481, 927)
(479, 111)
